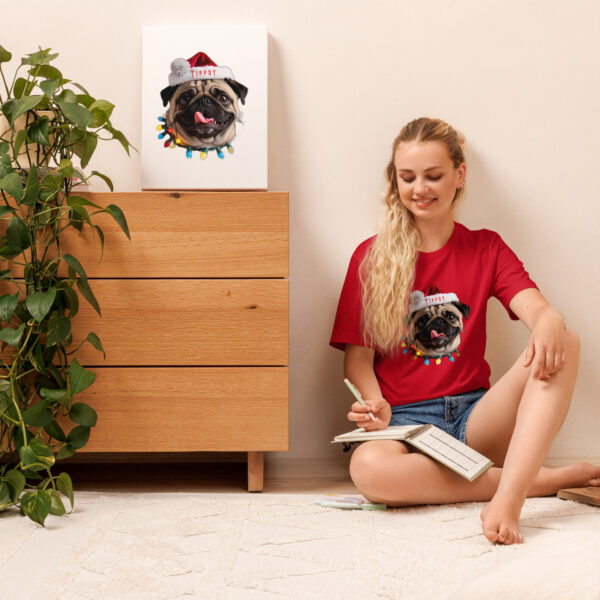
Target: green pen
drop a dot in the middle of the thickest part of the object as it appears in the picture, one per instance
(357, 395)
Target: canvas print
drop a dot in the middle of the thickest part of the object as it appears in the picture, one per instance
(204, 113)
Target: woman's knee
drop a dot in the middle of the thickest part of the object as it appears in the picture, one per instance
(573, 343)
(370, 459)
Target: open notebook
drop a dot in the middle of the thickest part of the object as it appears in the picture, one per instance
(430, 440)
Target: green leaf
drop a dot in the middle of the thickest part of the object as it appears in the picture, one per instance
(13, 185)
(56, 507)
(36, 357)
(78, 437)
(18, 235)
(36, 505)
(75, 113)
(83, 414)
(71, 298)
(39, 415)
(54, 395)
(42, 57)
(55, 430)
(98, 118)
(59, 328)
(94, 340)
(4, 148)
(66, 167)
(36, 454)
(85, 99)
(104, 105)
(19, 139)
(21, 106)
(68, 96)
(8, 304)
(101, 237)
(49, 86)
(118, 135)
(85, 148)
(5, 402)
(75, 264)
(105, 178)
(32, 188)
(80, 378)
(117, 214)
(16, 482)
(65, 485)
(40, 303)
(47, 72)
(12, 336)
(5, 499)
(65, 452)
(5, 55)
(38, 132)
(86, 292)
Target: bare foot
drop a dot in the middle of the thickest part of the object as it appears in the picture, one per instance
(579, 474)
(500, 520)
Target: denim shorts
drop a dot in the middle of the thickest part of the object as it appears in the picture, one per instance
(449, 413)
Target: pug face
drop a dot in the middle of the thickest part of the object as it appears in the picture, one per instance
(202, 113)
(435, 330)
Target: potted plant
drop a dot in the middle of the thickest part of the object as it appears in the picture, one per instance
(47, 122)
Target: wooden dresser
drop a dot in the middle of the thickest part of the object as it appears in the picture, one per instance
(194, 324)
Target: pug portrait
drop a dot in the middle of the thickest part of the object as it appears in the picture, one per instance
(203, 103)
(435, 322)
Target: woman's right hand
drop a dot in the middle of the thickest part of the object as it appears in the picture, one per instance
(381, 411)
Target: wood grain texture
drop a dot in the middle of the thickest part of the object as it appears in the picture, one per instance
(187, 409)
(187, 234)
(256, 471)
(186, 322)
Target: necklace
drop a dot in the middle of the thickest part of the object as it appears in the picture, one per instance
(173, 142)
(415, 353)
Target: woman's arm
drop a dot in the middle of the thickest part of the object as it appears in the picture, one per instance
(358, 368)
(546, 349)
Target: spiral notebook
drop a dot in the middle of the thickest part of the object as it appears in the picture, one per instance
(430, 440)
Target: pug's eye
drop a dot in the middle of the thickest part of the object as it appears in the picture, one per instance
(450, 316)
(423, 321)
(186, 98)
(224, 99)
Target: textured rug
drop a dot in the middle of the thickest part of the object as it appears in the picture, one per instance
(171, 546)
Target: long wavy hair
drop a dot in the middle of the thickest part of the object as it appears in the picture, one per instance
(387, 271)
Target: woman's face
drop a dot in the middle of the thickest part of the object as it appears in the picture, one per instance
(427, 179)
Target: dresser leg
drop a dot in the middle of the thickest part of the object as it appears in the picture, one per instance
(255, 471)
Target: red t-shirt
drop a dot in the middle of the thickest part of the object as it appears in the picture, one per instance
(443, 353)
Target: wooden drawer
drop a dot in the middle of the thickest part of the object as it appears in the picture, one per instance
(188, 409)
(186, 322)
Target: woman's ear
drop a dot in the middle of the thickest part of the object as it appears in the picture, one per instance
(462, 173)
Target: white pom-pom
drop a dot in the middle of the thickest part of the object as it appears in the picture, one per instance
(417, 301)
(180, 66)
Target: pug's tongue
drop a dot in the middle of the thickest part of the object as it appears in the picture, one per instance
(435, 334)
(200, 118)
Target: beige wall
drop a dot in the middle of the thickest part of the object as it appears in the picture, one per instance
(520, 78)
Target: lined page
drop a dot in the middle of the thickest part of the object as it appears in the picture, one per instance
(457, 456)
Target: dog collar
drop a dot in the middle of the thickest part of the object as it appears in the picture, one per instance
(415, 353)
(173, 142)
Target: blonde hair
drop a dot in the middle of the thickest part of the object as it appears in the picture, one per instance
(388, 269)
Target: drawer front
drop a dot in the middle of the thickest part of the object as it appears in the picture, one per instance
(186, 322)
(188, 409)
(187, 235)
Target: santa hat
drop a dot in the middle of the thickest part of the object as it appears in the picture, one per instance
(419, 300)
(200, 66)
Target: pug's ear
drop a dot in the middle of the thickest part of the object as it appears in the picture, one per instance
(239, 89)
(464, 309)
(167, 94)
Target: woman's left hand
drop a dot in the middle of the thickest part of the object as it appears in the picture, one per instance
(546, 350)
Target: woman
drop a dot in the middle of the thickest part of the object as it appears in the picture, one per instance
(411, 320)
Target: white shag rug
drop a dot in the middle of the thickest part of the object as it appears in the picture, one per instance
(172, 546)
